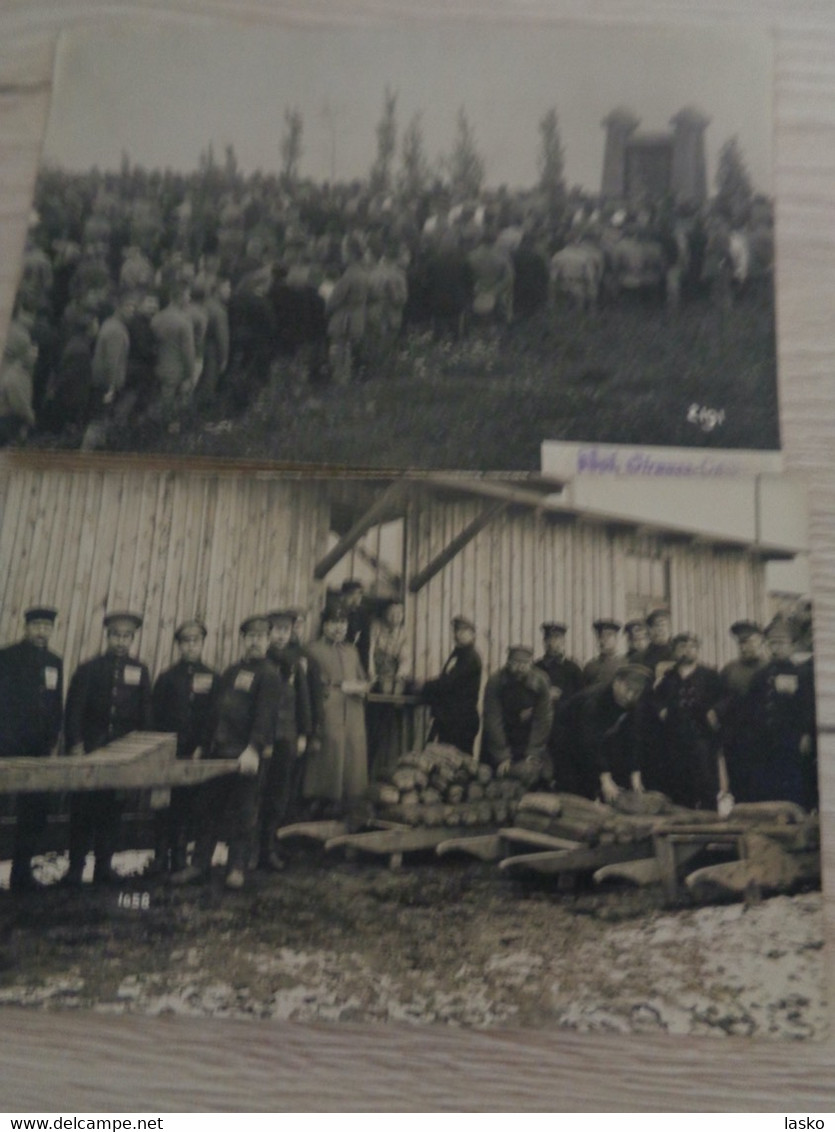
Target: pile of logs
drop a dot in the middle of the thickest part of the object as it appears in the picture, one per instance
(440, 786)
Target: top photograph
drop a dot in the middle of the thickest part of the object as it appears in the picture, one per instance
(422, 245)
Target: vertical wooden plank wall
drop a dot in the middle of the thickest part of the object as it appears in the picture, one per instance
(166, 544)
(524, 569)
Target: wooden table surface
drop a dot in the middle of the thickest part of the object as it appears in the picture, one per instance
(76, 1061)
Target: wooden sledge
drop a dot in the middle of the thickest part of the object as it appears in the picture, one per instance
(139, 761)
(643, 873)
(330, 829)
(587, 859)
(392, 843)
(493, 846)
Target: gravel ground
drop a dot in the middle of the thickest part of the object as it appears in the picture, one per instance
(454, 943)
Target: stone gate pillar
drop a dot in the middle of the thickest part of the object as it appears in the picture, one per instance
(688, 181)
(619, 126)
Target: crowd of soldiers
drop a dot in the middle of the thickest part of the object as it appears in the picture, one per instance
(143, 297)
(292, 715)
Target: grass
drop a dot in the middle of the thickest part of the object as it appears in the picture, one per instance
(627, 373)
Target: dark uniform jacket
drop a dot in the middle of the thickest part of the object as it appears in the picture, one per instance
(600, 736)
(184, 700)
(517, 716)
(602, 670)
(453, 699)
(109, 696)
(658, 658)
(688, 771)
(562, 673)
(248, 694)
(780, 709)
(31, 695)
(294, 715)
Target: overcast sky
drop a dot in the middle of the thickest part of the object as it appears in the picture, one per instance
(162, 93)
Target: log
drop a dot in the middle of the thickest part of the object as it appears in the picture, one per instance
(140, 760)
(538, 840)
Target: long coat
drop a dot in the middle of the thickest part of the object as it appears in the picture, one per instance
(338, 771)
(31, 691)
(517, 716)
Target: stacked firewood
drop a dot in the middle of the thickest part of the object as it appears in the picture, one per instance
(441, 786)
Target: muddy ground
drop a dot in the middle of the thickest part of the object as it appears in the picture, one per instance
(454, 942)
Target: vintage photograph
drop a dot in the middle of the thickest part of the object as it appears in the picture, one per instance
(479, 751)
(399, 246)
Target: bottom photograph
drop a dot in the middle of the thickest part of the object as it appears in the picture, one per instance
(477, 751)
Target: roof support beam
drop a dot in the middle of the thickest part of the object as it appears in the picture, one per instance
(491, 512)
(490, 488)
(378, 512)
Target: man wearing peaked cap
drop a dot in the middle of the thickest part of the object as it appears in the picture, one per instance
(517, 718)
(453, 695)
(31, 691)
(123, 617)
(602, 669)
(109, 696)
(564, 676)
(183, 702)
(779, 761)
(637, 636)
(683, 699)
(659, 652)
(247, 697)
(730, 716)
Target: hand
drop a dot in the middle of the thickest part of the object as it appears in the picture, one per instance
(805, 744)
(608, 787)
(636, 782)
(78, 749)
(503, 769)
(301, 745)
(248, 762)
(713, 719)
(197, 754)
(108, 397)
(662, 715)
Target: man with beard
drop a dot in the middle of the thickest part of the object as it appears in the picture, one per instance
(31, 690)
(109, 696)
(517, 718)
(453, 696)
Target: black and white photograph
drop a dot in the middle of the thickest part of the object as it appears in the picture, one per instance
(477, 751)
(406, 245)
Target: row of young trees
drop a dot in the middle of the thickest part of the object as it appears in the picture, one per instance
(464, 168)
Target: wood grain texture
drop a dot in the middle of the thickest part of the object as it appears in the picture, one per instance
(75, 1061)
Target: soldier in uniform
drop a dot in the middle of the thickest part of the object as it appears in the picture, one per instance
(352, 600)
(109, 696)
(453, 696)
(637, 639)
(658, 656)
(729, 715)
(183, 701)
(602, 669)
(247, 699)
(780, 710)
(31, 692)
(293, 732)
(683, 700)
(517, 718)
(602, 754)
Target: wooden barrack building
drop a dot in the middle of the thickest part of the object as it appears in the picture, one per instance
(505, 551)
